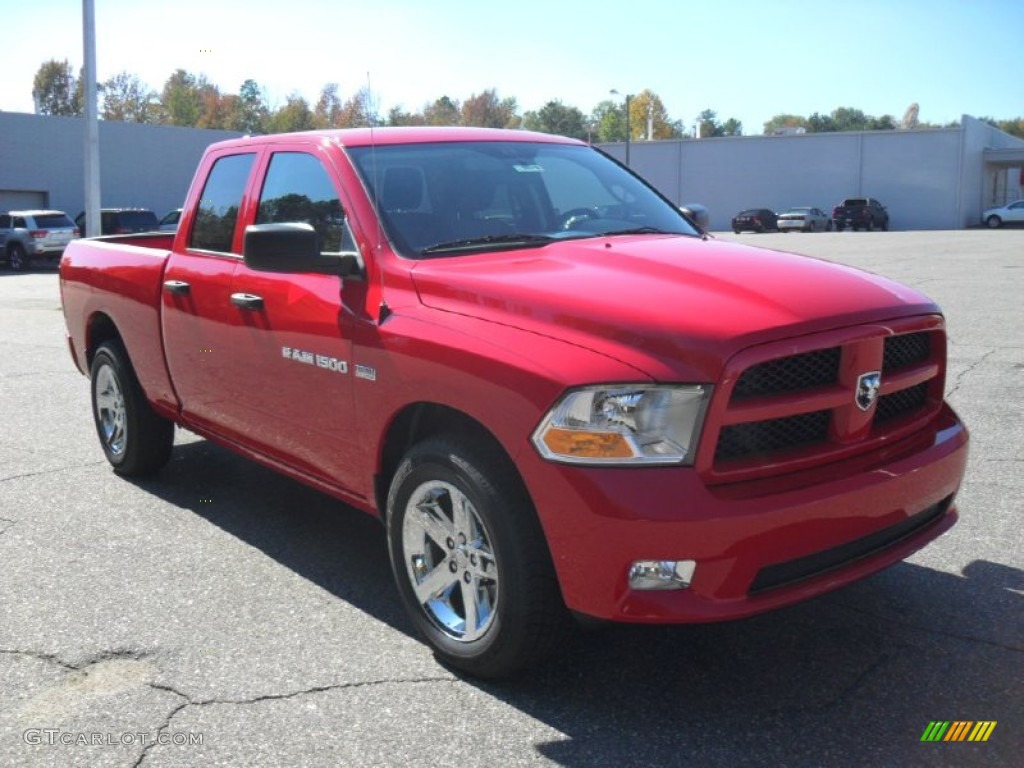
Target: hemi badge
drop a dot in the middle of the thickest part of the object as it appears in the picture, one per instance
(366, 372)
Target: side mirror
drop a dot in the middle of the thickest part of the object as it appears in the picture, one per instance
(293, 247)
(698, 214)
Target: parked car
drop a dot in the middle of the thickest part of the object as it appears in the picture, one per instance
(860, 213)
(169, 223)
(123, 221)
(26, 235)
(1011, 213)
(754, 220)
(804, 220)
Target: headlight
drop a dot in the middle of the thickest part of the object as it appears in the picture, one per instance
(641, 424)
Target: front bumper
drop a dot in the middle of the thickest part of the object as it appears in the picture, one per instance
(792, 224)
(757, 546)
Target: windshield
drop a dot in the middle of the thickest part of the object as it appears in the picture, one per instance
(442, 199)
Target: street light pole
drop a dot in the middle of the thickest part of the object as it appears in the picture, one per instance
(92, 132)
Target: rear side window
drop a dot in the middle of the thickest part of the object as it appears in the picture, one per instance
(53, 221)
(138, 221)
(5, 221)
(298, 189)
(214, 227)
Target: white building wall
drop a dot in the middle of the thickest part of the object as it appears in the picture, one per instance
(928, 179)
(147, 166)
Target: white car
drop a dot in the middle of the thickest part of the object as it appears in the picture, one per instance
(805, 220)
(1011, 213)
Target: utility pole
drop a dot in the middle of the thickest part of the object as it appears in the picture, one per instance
(92, 128)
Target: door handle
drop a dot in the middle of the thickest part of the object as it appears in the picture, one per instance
(247, 301)
(177, 287)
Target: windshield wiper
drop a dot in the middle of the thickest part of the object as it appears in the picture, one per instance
(513, 240)
(638, 231)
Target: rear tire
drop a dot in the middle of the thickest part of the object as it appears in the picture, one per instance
(135, 440)
(17, 258)
(470, 559)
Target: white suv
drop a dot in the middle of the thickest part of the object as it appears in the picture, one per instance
(25, 235)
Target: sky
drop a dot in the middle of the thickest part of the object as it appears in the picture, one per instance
(745, 59)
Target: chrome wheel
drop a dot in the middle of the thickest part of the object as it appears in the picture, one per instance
(110, 410)
(450, 561)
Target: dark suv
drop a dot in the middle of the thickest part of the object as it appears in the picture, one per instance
(123, 221)
(754, 220)
(28, 235)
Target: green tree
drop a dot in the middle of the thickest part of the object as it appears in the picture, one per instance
(443, 111)
(249, 113)
(398, 116)
(295, 115)
(782, 123)
(181, 99)
(732, 127)
(53, 89)
(608, 121)
(556, 117)
(818, 123)
(127, 99)
(1014, 126)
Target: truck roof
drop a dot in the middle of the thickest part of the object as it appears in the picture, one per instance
(365, 137)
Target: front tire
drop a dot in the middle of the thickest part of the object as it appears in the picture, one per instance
(994, 222)
(135, 440)
(470, 560)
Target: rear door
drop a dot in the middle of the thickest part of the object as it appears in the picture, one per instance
(197, 311)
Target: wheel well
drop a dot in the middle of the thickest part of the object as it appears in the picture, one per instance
(415, 423)
(101, 328)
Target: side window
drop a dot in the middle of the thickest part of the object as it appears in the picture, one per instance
(19, 222)
(214, 227)
(297, 188)
(5, 221)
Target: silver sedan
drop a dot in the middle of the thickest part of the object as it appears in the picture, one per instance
(805, 220)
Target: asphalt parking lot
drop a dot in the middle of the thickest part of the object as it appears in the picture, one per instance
(222, 603)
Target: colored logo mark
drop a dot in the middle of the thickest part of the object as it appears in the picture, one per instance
(958, 730)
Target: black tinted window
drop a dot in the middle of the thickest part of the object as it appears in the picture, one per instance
(5, 222)
(297, 188)
(214, 227)
(138, 221)
(54, 220)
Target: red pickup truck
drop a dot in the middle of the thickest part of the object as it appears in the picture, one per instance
(558, 394)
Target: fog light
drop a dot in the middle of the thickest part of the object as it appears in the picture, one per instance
(661, 574)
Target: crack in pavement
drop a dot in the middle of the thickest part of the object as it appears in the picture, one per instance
(5, 523)
(933, 631)
(190, 702)
(48, 657)
(968, 370)
(52, 471)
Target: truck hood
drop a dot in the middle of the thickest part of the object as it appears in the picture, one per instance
(675, 308)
